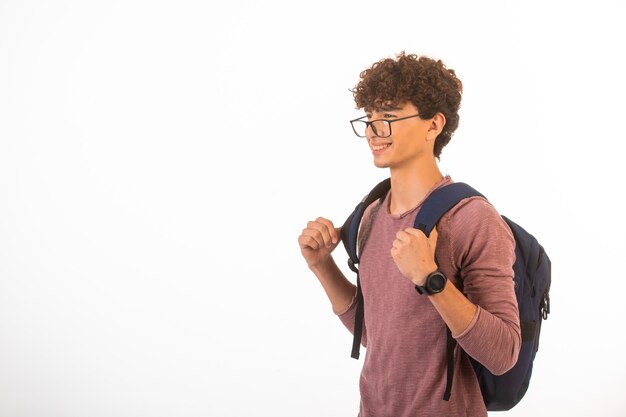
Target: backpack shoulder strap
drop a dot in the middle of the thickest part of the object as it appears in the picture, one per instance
(350, 229)
(439, 202)
(349, 236)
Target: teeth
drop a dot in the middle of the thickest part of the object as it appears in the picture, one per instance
(380, 147)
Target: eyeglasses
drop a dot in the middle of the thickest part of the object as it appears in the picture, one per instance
(380, 127)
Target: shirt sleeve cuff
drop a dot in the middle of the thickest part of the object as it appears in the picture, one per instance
(345, 310)
(471, 325)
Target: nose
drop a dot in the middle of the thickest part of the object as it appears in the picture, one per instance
(370, 131)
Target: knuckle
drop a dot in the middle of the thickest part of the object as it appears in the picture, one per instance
(323, 221)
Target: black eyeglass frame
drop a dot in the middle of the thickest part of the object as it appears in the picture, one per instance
(370, 123)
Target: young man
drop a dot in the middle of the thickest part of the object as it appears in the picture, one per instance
(411, 105)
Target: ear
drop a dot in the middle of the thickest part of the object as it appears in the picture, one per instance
(437, 122)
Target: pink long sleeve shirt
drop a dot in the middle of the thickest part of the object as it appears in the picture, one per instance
(404, 371)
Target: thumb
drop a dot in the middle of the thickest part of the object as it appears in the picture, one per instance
(432, 238)
(337, 235)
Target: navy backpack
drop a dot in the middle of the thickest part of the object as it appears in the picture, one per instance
(532, 271)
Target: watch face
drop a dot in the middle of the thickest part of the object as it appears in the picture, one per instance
(436, 282)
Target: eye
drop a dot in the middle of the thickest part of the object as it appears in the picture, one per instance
(388, 116)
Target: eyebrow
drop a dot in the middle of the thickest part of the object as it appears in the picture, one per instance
(383, 108)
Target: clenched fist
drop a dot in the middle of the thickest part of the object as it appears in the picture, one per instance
(414, 254)
(318, 240)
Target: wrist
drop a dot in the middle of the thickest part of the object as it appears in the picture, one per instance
(420, 280)
(323, 266)
(434, 283)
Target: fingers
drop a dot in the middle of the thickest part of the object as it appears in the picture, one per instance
(327, 230)
(403, 235)
(410, 231)
(309, 242)
(414, 254)
(403, 238)
(414, 237)
(333, 233)
(319, 233)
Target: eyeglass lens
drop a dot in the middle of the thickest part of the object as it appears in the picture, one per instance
(379, 127)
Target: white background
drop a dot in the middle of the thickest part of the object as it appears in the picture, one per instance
(158, 160)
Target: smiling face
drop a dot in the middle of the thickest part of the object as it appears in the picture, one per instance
(411, 140)
(425, 82)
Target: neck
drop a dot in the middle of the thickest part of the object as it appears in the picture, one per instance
(410, 186)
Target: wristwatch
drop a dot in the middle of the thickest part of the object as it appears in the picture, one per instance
(435, 283)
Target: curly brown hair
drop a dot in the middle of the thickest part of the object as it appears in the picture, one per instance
(426, 83)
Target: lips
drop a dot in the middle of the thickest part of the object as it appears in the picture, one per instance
(380, 147)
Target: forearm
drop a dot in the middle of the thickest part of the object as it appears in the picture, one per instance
(338, 288)
(492, 341)
(454, 308)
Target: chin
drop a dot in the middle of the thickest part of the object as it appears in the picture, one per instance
(381, 164)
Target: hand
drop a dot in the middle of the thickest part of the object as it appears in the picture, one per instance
(318, 240)
(414, 254)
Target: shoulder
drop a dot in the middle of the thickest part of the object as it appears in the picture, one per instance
(475, 223)
(475, 213)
